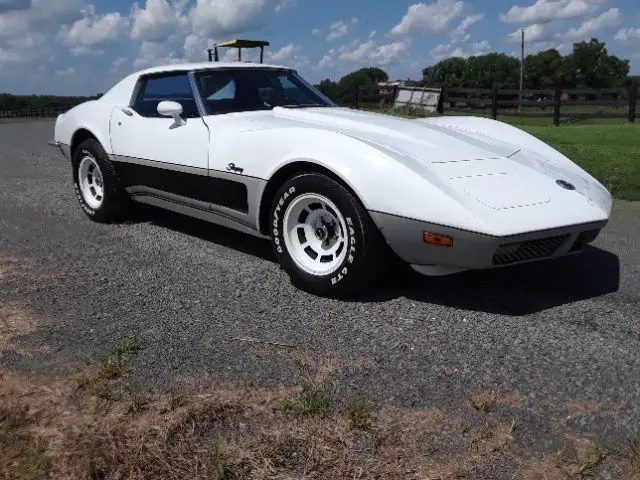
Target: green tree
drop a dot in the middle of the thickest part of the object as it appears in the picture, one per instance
(330, 88)
(543, 69)
(591, 66)
(446, 73)
(484, 71)
(364, 76)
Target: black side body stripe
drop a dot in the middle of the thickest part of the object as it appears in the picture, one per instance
(219, 191)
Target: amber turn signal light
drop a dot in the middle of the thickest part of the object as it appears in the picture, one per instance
(437, 239)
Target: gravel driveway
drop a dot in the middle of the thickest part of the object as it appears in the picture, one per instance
(562, 336)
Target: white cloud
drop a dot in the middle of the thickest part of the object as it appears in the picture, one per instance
(337, 30)
(157, 21)
(450, 50)
(627, 34)
(594, 25)
(184, 29)
(482, 46)
(26, 34)
(66, 71)
(42, 14)
(212, 18)
(543, 11)
(316, 31)
(428, 18)
(284, 53)
(92, 30)
(117, 64)
(371, 52)
(533, 33)
(288, 55)
(326, 62)
(84, 50)
(465, 24)
(372, 34)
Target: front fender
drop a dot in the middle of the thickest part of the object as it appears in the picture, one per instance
(385, 180)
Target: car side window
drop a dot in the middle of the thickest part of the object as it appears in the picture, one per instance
(231, 91)
(155, 89)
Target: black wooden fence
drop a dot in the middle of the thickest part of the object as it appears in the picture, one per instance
(561, 105)
(32, 113)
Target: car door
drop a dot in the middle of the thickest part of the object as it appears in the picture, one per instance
(155, 155)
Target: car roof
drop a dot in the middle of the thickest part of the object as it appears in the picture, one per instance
(186, 67)
(120, 93)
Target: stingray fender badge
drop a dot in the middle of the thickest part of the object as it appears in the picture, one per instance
(232, 168)
(566, 185)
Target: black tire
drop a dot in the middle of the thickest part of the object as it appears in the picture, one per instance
(368, 255)
(116, 201)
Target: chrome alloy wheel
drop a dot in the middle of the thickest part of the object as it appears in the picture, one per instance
(315, 234)
(91, 182)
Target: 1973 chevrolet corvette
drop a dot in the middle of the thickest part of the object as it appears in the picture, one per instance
(338, 192)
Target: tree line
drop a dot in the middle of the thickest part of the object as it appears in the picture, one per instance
(588, 65)
(13, 103)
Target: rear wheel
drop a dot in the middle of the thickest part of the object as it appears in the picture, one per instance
(96, 183)
(324, 238)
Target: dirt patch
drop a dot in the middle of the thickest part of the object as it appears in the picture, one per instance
(15, 322)
(577, 457)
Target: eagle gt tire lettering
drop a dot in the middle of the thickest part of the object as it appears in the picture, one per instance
(324, 238)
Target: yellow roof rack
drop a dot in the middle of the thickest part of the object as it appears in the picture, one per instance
(239, 44)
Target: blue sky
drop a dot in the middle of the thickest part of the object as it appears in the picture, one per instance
(83, 47)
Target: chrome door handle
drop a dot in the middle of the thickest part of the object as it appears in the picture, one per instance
(127, 111)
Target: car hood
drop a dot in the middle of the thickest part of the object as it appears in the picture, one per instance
(470, 166)
(429, 143)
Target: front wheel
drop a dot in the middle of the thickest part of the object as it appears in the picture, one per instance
(96, 183)
(324, 238)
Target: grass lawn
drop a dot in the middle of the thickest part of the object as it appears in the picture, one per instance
(609, 152)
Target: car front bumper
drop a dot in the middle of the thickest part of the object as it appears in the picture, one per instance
(477, 251)
(65, 150)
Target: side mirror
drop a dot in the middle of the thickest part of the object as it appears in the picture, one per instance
(172, 109)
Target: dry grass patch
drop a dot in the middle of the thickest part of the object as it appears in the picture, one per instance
(52, 427)
(483, 401)
(578, 457)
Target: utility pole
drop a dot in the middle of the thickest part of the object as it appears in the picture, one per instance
(521, 70)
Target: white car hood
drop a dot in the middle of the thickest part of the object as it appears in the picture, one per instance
(429, 143)
(472, 168)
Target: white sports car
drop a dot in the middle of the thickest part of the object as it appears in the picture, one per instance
(338, 191)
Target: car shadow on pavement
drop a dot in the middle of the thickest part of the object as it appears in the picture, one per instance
(207, 231)
(518, 290)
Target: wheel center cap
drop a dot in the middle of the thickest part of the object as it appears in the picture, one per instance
(321, 233)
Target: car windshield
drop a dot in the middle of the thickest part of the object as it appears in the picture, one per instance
(250, 89)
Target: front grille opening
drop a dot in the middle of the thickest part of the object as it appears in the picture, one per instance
(528, 250)
(583, 239)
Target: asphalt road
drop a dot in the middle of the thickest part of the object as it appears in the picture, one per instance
(557, 334)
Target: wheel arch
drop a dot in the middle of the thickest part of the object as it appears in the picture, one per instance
(287, 171)
(79, 136)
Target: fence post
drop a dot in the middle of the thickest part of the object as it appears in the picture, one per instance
(557, 100)
(633, 99)
(440, 107)
(356, 96)
(494, 102)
